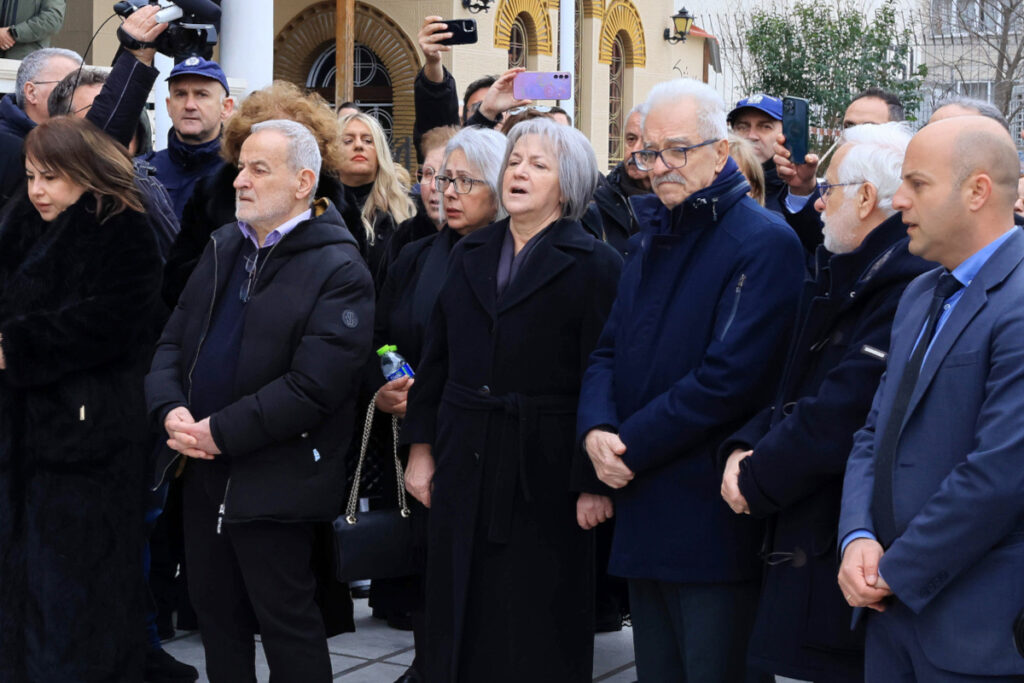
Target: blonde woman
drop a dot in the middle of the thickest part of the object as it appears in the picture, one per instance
(742, 153)
(376, 189)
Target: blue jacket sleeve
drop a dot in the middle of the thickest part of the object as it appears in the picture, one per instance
(741, 363)
(597, 395)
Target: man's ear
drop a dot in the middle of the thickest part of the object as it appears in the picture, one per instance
(978, 189)
(721, 153)
(30, 93)
(227, 108)
(307, 180)
(867, 200)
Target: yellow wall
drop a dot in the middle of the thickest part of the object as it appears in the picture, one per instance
(469, 62)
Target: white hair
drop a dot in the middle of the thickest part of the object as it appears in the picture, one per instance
(875, 155)
(641, 109)
(577, 165)
(303, 150)
(710, 105)
(484, 149)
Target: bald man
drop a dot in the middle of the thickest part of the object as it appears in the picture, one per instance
(932, 521)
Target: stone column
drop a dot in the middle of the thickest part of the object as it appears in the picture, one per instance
(247, 41)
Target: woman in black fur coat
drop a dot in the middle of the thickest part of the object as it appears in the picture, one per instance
(79, 282)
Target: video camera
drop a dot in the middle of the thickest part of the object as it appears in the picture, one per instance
(192, 27)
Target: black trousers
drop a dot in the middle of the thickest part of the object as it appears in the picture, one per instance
(252, 576)
(691, 632)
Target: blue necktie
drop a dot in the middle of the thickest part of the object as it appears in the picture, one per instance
(882, 513)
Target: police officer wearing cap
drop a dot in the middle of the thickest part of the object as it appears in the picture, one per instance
(199, 102)
(758, 118)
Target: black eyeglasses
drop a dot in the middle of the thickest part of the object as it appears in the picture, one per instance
(463, 185)
(672, 157)
(825, 189)
(425, 174)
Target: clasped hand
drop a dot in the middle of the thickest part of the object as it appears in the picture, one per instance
(859, 579)
(731, 482)
(606, 450)
(188, 437)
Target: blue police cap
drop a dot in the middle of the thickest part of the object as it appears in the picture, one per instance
(764, 103)
(197, 66)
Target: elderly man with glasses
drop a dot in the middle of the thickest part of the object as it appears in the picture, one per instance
(786, 465)
(691, 351)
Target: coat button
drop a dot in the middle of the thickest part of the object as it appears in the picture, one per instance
(304, 435)
(485, 390)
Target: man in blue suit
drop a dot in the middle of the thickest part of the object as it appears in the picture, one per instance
(932, 522)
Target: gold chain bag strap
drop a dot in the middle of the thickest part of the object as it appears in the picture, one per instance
(376, 544)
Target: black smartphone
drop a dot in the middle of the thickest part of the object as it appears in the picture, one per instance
(795, 128)
(463, 31)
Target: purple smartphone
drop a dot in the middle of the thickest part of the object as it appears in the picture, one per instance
(542, 85)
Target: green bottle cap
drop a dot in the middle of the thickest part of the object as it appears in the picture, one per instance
(385, 349)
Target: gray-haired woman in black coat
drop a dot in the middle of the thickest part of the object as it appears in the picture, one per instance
(491, 421)
(79, 280)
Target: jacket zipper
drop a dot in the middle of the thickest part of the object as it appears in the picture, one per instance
(735, 304)
(223, 507)
(202, 338)
(222, 510)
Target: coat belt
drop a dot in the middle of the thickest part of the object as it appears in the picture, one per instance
(520, 420)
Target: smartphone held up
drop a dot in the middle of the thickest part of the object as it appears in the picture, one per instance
(796, 128)
(542, 85)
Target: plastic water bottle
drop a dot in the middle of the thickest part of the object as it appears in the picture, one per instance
(392, 364)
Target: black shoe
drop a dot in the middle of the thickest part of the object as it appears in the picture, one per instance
(161, 667)
(165, 630)
(608, 624)
(187, 622)
(410, 676)
(400, 621)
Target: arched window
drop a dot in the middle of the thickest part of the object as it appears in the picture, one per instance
(616, 87)
(518, 43)
(372, 83)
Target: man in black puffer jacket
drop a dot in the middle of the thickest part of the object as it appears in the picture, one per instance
(254, 380)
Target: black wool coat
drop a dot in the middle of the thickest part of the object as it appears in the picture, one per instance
(408, 296)
(801, 444)
(509, 572)
(76, 300)
(306, 336)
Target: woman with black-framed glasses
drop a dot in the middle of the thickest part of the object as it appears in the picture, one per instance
(464, 180)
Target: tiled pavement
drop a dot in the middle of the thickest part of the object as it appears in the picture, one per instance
(378, 654)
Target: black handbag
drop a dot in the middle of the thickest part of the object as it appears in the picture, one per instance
(375, 544)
